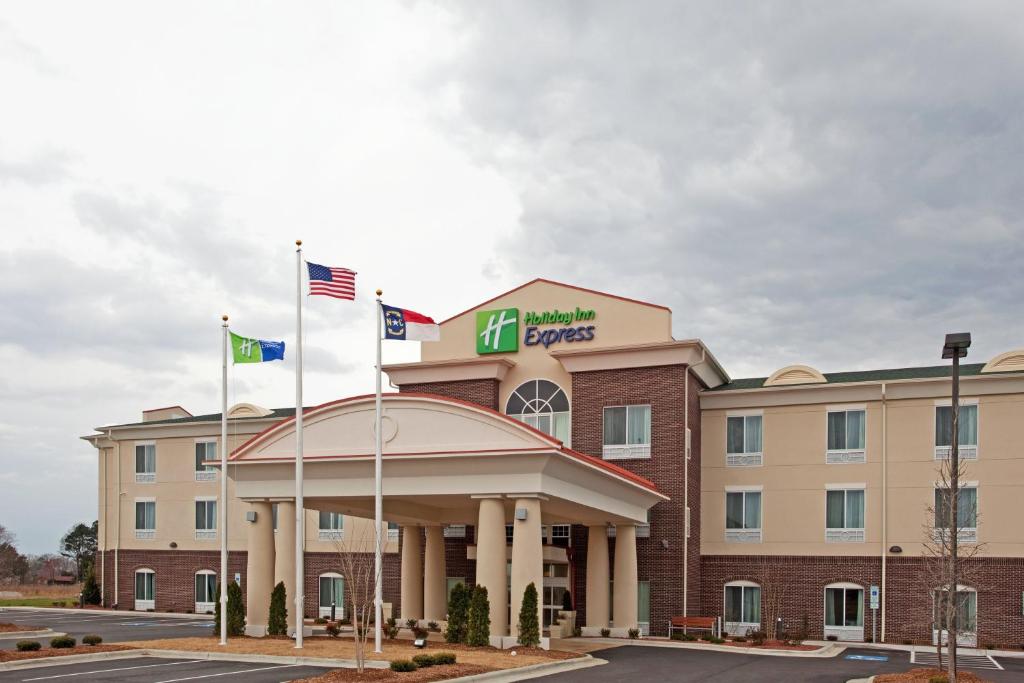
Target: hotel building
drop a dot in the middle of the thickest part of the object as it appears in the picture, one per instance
(562, 436)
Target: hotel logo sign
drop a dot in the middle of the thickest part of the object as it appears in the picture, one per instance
(497, 331)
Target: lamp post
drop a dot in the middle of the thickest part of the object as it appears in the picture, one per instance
(954, 348)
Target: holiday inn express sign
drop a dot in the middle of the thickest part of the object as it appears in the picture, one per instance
(497, 331)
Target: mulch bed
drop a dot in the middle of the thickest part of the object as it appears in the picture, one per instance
(14, 628)
(431, 673)
(532, 651)
(8, 656)
(924, 674)
(772, 645)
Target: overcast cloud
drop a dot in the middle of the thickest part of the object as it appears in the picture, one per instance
(837, 184)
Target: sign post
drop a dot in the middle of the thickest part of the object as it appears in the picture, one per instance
(874, 613)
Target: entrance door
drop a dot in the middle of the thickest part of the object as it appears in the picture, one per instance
(206, 592)
(145, 590)
(966, 618)
(556, 584)
(332, 590)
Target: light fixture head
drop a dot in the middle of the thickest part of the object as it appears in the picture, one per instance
(895, 549)
(957, 344)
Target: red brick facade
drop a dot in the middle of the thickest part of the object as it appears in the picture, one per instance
(481, 391)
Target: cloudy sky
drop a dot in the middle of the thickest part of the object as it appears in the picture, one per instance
(831, 183)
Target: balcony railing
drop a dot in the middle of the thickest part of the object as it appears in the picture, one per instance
(742, 535)
(331, 534)
(966, 452)
(206, 534)
(206, 475)
(844, 535)
(145, 534)
(145, 477)
(625, 452)
(845, 456)
(744, 459)
(964, 535)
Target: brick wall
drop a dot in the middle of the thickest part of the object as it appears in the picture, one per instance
(322, 563)
(481, 391)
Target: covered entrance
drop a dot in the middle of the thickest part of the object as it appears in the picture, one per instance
(449, 463)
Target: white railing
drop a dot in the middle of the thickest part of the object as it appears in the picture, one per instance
(392, 534)
(331, 534)
(742, 535)
(206, 534)
(964, 535)
(455, 531)
(844, 535)
(145, 477)
(643, 530)
(744, 459)
(145, 534)
(845, 456)
(966, 452)
(210, 475)
(845, 633)
(625, 452)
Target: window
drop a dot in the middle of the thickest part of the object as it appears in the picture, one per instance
(392, 530)
(332, 591)
(846, 436)
(967, 429)
(273, 514)
(643, 606)
(543, 405)
(332, 525)
(205, 451)
(966, 512)
(743, 516)
(844, 515)
(627, 432)
(743, 441)
(844, 611)
(966, 614)
(206, 592)
(206, 519)
(145, 590)
(742, 607)
(145, 519)
(560, 534)
(644, 530)
(145, 463)
(509, 533)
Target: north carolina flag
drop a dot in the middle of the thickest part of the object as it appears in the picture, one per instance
(401, 323)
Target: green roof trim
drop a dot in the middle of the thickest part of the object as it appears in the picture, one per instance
(891, 375)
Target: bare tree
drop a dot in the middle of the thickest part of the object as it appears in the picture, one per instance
(772, 580)
(356, 560)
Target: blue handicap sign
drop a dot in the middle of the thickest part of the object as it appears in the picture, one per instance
(869, 658)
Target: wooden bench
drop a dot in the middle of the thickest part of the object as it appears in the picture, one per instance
(685, 623)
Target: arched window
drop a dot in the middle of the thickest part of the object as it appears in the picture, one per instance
(332, 590)
(145, 589)
(742, 607)
(844, 611)
(206, 591)
(542, 404)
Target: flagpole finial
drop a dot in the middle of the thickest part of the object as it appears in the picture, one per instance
(298, 243)
(224, 317)
(379, 292)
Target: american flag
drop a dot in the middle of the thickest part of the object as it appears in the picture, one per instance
(337, 282)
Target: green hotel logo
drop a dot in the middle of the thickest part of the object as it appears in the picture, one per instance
(497, 331)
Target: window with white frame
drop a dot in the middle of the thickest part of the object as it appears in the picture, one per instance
(542, 404)
(206, 519)
(145, 462)
(644, 530)
(206, 591)
(392, 530)
(206, 451)
(846, 436)
(332, 525)
(844, 611)
(560, 534)
(145, 519)
(742, 607)
(966, 615)
(966, 511)
(743, 516)
(627, 432)
(509, 533)
(145, 590)
(454, 531)
(967, 429)
(743, 446)
(844, 514)
(332, 592)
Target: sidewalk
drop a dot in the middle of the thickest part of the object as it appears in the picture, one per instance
(1017, 654)
(825, 649)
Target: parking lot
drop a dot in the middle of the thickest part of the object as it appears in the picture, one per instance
(113, 627)
(156, 670)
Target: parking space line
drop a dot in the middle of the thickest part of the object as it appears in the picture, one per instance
(993, 660)
(229, 673)
(104, 671)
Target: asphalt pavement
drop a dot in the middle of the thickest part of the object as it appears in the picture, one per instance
(157, 670)
(113, 627)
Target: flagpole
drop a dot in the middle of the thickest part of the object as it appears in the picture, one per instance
(299, 510)
(378, 503)
(224, 483)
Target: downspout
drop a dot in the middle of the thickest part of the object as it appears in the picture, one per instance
(885, 509)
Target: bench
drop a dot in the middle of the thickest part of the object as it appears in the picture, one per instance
(683, 623)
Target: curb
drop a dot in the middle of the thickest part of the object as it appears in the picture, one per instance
(269, 659)
(825, 651)
(112, 612)
(533, 671)
(66, 659)
(45, 633)
(861, 680)
(1010, 654)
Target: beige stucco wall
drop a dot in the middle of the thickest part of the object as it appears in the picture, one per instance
(794, 477)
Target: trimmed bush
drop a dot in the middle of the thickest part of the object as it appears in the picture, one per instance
(391, 621)
(277, 622)
(91, 590)
(333, 629)
(236, 612)
(478, 628)
(458, 612)
(832, 637)
(411, 623)
(419, 632)
(739, 639)
(62, 642)
(391, 632)
(634, 633)
(403, 665)
(529, 628)
(91, 639)
(715, 640)
(757, 637)
(27, 645)
(577, 631)
(423, 661)
(432, 626)
(442, 658)
(320, 621)
(941, 678)
(605, 632)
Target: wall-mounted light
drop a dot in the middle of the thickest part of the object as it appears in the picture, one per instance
(895, 549)
(174, 544)
(521, 514)
(250, 516)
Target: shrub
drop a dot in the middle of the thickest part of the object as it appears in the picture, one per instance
(391, 621)
(91, 590)
(990, 646)
(411, 623)
(236, 611)
(679, 635)
(605, 632)
(442, 658)
(401, 665)
(908, 642)
(716, 640)
(577, 631)
(58, 603)
(277, 623)
(634, 633)
(432, 626)
(832, 637)
(91, 639)
(458, 610)
(940, 678)
(333, 629)
(62, 642)
(529, 628)
(27, 645)
(423, 661)
(739, 639)
(757, 637)
(478, 625)
(419, 632)
(391, 632)
(320, 620)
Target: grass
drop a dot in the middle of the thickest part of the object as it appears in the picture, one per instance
(41, 596)
(36, 602)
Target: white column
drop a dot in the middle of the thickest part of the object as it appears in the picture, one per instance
(259, 573)
(434, 593)
(284, 556)
(412, 586)
(527, 557)
(624, 598)
(490, 561)
(597, 576)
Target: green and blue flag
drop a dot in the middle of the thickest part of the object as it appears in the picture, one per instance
(248, 350)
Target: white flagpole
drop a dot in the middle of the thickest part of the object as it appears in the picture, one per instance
(224, 485)
(299, 510)
(378, 503)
